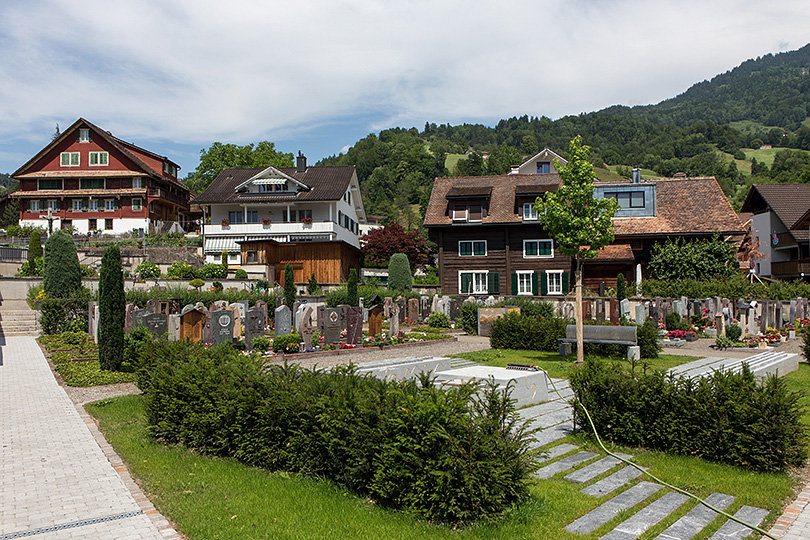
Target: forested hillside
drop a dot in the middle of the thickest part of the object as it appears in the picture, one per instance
(712, 129)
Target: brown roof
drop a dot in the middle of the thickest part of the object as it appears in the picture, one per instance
(788, 201)
(324, 183)
(615, 252)
(469, 191)
(684, 206)
(501, 200)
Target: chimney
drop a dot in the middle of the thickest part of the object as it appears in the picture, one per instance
(300, 162)
(636, 175)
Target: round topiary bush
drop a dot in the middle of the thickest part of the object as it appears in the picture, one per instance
(240, 274)
(733, 332)
(399, 273)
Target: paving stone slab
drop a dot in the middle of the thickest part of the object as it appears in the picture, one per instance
(646, 518)
(731, 530)
(589, 472)
(557, 451)
(549, 435)
(610, 509)
(561, 416)
(544, 408)
(696, 519)
(612, 482)
(564, 464)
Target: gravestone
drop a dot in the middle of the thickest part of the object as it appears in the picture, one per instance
(446, 306)
(192, 322)
(130, 307)
(676, 306)
(413, 310)
(720, 324)
(434, 303)
(237, 320)
(240, 307)
(92, 320)
(393, 320)
(222, 325)
(684, 305)
(586, 310)
(793, 307)
(424, 306)
(402, 308)
(299, 313)
(245, 307)
(174, 327)
(455, 309)
(307, 329)
(138, 316)
(777, 315)
(208, 329)
(624, 306)
(752, 320)
(490, 301)
(641, 313)
(568, 310)
(319, 315)
(283, 321)
(331, 326)
(387, 306)
(262, 305)
(218, 305)
(152, 306)
(354, 325)
(255, 323)
(615, 312)
(375, 315)
(600, 310)
(156, 323)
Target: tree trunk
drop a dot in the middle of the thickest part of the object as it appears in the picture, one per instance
(578, 313)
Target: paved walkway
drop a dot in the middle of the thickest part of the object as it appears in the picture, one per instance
(57, 480)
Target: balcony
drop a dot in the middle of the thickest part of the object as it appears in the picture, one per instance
(790, 269)
(284, 232)
(167, 195)
(785, 240)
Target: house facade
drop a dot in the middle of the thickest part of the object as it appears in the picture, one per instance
(87, 180)
(541, 163)
(779, 229)
(490, 241)
(267, 217)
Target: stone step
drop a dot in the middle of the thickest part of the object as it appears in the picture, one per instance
(548, 407)
(731, 530)
(696, 519)
(647, 517)
(613, 482)
(557, 451)
(564, 464)
(760, 364)
(589, 472)
(560, 416)
(549, 435)
(611, 508)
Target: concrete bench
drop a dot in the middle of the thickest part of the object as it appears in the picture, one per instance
(603, 335)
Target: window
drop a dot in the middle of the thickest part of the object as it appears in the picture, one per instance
(529, 212)
(93, 206)
(169, 169)
(460, 213)
(554, 280)
(79, 205)
(98, 159)
(91, 224)
(526, 283)
(543, 167)
(252, 216)
(91, 183)
(252, 257)
(235, 217)
(69, 159)
(468, 212)
(50, 183)
(53, 205)
(110, 205)
(537, 248)
(469, 248)
(108, 224)
(84, 136)
(137, 183)
(137, 205)
(476, 213)
(472, 282)
(627, 199)
(33, 206)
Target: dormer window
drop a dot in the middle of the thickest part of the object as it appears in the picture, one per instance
(169, 169)
(627, 199)
(84, 136)
(529, 212)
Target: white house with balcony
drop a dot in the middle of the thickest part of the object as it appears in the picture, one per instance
(286, 205)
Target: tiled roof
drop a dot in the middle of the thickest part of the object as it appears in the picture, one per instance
(325, 183)
(501, 199)
(684, 206)
(788, 201)
(615, 252)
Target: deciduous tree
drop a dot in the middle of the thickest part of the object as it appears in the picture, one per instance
(579, 224)
(221, 156)
(383, 242)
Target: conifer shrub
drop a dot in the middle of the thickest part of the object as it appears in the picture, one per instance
(621, 288)
(289, 286)
(438, 320)
(726, 417)
(240, 273)
(34, 250)
(733, 332)
(399, 273)
(111, 311)
(312, 285)
(451, 456)
(469, 318)
(62, 275)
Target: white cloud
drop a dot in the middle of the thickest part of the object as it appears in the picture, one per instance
(195, 71)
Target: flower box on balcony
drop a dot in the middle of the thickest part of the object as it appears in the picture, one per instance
(307, 221)
(226, 222)
(266, 222)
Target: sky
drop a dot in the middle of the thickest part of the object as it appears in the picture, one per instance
(174, 76)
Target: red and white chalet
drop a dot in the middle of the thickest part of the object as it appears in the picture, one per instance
(92, 181)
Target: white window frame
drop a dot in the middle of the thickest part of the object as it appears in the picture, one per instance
(475, 282)
(521, 276)
(460, 214)
(109, 205)
(66, 159)
(98, 159)
(139, 206)
(137, 183)
(529, 212)
(538, 256)
(472, 248)
(52, 205)
(554, 287)
(84, 135)
(92, 205)
(34, 206)
(77, 205)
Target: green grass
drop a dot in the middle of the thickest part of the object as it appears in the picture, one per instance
(764, 156)
(452, 160)
(743, 165)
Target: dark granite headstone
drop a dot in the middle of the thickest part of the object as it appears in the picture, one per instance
(615, 314)
(600, 310)
(586, 310)
(130, 307)
(424, 306)
(354, 325)
(331, 325)
(138, 316)
(255, 323)
(413, 310)
(222, 325)
(262, 305)
(455, 309)
(375, 315)
(208, 329)
(403, 309)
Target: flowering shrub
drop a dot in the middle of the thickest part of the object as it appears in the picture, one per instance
(678, 334)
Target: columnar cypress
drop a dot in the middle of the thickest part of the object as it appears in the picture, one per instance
(621, 288)
(111, 311)
(352, 286)
(34, 248)
(61, 275)
(289, 286)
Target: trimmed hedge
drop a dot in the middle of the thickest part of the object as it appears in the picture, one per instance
(451, 456)
(728, 418)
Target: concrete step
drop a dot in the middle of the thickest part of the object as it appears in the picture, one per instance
(647, 517)
(589, 472)
(613, 482)
(696, 519)
(557, 451)
(611, 508)
(731, 530)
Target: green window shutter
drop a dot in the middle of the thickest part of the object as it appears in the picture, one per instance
(565, 283)
(543, 284)
(466, 283)
(535, 284)
(465, 249)
(494, 283)
(514, 283)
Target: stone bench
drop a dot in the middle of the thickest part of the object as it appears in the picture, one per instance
(603, 335)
